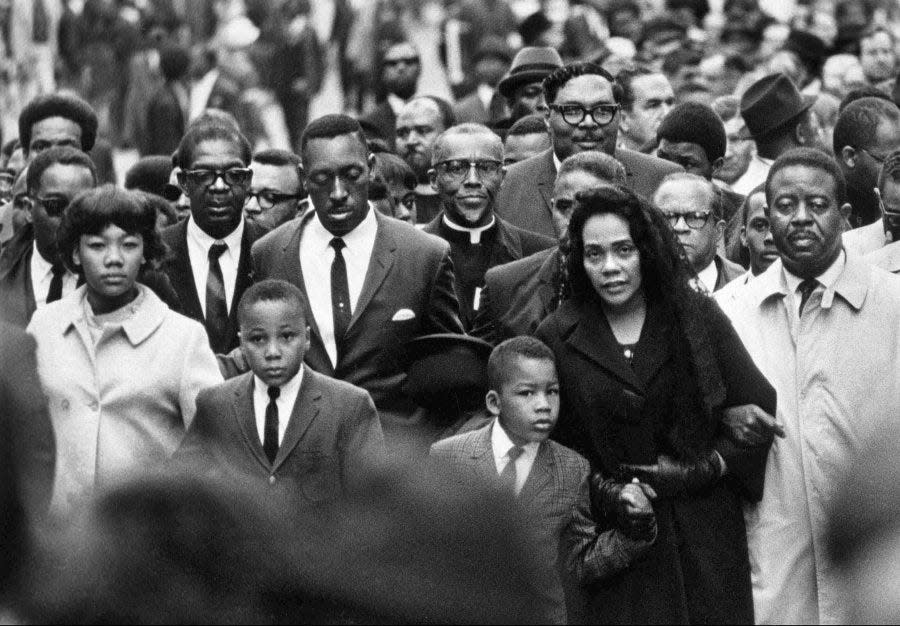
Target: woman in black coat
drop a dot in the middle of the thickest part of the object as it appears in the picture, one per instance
(650, 370)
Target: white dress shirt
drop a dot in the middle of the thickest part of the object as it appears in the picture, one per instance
(708, 277)
(285, 403)
(485, 94)
(824, 280)
(396, 103)
(200, 93)
(198, 244)
(316, 257)
(42, 274)
(502, 444)
(756, 174)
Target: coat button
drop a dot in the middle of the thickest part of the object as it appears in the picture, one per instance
(272, 480)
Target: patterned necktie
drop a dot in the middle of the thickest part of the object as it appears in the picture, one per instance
(340, 293)
(806, 289)
(216, 306)
(54, 293)
(508, 475)
(270, 431)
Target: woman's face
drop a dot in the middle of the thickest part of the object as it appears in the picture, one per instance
(612, 261)
(110, 262)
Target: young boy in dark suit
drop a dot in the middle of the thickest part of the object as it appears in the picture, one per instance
(549, 481)
(282, 427)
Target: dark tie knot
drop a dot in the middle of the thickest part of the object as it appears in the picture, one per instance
(58, 269)
(216, 250)
(514, 453)
(274, 392)
(338, 244)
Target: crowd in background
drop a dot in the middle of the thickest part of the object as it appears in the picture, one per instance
(541, 311)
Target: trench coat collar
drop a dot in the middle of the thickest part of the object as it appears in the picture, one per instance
(148, 316)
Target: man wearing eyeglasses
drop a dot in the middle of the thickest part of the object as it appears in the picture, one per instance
(399, 77)
(467, 169)
(867, 131)
(692, 206)
(31, 273)
(584, 114)
(276, 193)
(210, 263)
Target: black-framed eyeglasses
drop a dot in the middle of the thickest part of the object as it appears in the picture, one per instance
(459, 168)
(55, 206)
(574, 114)
(233, 177)
(268, 198)
(401, 60)
(694, 219)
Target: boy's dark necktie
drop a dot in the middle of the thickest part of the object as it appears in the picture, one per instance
(508, 475)
(270, 431)
(216, 305)
(340, 293)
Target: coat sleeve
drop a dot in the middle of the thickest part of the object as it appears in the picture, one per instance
(360, 441)
(744, 384)
(194, 455)
(199, 371)
(443, 307)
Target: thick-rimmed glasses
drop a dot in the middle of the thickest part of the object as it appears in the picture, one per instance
(55, 206)
(267, 198)
(574, 114)
(694, 219)
(234, 177)
(458, 169)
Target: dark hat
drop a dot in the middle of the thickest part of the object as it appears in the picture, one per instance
(661, 24)
(443, 363)
(530, 65)
(151, 174)
(770, 103)
(493, 46)
(809, 48)
(533, 26)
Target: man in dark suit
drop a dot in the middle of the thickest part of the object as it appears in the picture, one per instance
(168, 108)
(209, 267)
(373, 283)
(583, 115)
(286, 430)
(549, 482)
(399, 74)
(467, 171)
(31, 272)
(518, 296)
(485, 105)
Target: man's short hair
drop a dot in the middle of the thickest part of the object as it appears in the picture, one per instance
(686, 177)
(61, 104)
(62, 155)
(890, 170)
(277, 157)
(858, 124)
(864, 91)
(873, 30)
(595, 163)
(559, 77)
(273, 290)
(692, 122)
(448, 117)
(626, 78)
(529, 125)
(331, 126)
(809, 157)
(500, 363)
(469, 128)
(208, 131)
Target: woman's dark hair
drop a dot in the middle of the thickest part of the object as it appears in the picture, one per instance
(666, 279)
(93, 210)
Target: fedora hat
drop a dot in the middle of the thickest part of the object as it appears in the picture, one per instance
(529, 65)
(771, 102)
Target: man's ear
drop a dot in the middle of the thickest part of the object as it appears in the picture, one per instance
(846, 210)
(29, 209)
(371, 162)
(849, 156)
(432, 178)
(306, 340)
(717, 164)
(720, 230)
(743, 237)
(492, 401)
(182, 181)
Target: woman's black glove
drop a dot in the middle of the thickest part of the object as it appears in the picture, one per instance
(628, 505)
(673, 478)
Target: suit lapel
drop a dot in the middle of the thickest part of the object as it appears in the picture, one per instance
(244, 413)
(593, 337)
(306, 408)
(379, 265)
(483, 456)
(547, 179)
(547, 278)
(180, 268)
(540, 476)
(652, 349)
(242, 282)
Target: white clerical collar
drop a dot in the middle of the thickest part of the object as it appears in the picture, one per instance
(474, 233)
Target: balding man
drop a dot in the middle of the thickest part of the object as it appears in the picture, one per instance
(467, 169)
(419, 123)
(693, 208)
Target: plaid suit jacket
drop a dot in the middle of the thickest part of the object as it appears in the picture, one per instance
(555, 501)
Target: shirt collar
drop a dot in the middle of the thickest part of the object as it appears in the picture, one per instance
(366, 230)
(151, 312)
(485, 94)
(40, 264)
(826, 278)
(288, 390)
(709, 276)
(556, 162)
(502, 444)
(395, 102)
(848, 276)
(233, 240)
(474, 233)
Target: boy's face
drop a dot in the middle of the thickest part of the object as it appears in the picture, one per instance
(274, 339)
(527, 402)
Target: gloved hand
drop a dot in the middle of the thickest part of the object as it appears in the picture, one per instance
(749, 426)
(672, 478)
(628, 504)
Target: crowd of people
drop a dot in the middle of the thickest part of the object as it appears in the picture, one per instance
(463, 311)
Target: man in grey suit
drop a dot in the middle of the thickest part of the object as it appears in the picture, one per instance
(583, 115)
(373, 282)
